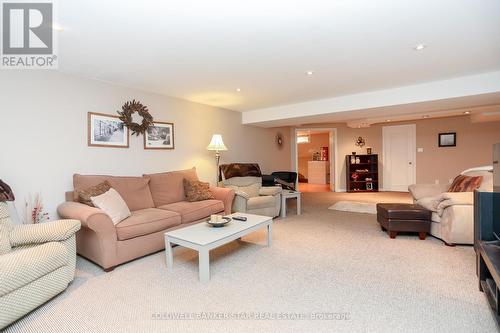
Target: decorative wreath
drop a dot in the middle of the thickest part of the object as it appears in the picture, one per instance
(128, 109)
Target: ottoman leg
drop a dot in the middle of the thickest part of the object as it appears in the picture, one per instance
(422, 235)
(393, 234)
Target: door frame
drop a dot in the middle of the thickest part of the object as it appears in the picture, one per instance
(334, 177)
(413, 130)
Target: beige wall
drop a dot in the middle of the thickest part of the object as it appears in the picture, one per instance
(44, 135)
(317, 140)
(474, 146)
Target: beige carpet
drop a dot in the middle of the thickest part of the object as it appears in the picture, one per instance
(322, 261)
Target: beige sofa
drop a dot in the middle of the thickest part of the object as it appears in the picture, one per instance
(157, 203)
(452, 212)
(251, 197)
(37, 262)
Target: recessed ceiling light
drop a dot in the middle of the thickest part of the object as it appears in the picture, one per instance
(426, 116)
(309, 73)
(466, 112)
(57, 27)
(419, 47)
(388, 120)
(238, 89)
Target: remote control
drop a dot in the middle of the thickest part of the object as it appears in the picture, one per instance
(240, 218)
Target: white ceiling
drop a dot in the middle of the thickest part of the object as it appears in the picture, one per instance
(203, 50)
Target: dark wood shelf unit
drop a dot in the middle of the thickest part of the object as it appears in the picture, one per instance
(367, 168)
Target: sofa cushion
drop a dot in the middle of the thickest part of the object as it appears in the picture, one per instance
(134, 190)
(197, 191)
(192, 211)
(251, 190)
(84, 195)
(261, 202)
(168, 187)
(112, 204)
(146, 221)
(463, 183)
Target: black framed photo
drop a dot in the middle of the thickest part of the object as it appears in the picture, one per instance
(105, 130)
(159, 136)
(447, 139)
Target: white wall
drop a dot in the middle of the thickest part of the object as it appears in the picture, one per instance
(43, 135)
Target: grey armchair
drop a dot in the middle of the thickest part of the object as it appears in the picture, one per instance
(251, 197)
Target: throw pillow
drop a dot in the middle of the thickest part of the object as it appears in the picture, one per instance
(93, 191)
(463, 183)
(197, 191)
(113, 205)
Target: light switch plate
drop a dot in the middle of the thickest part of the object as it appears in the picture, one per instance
(420, 150)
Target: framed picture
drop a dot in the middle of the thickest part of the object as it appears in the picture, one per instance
(447, 139)
(369, 186)
(159, 136)
(106, 130)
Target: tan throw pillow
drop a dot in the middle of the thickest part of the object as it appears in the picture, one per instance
(93, 191)
(196, 190)
(463, 183)
(113, 205)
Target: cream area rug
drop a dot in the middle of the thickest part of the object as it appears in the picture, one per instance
(355, 207)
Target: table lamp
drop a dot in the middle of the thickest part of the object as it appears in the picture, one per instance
(217, 145)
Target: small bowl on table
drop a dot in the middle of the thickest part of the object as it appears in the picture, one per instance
(219, 224)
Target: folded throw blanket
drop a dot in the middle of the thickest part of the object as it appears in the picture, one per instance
(440, 202)
(239, 170)
(453, 198)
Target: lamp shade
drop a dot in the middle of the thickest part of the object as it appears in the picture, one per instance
(216, 143)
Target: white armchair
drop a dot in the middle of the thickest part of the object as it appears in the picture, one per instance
(452, 212)
(251, 197)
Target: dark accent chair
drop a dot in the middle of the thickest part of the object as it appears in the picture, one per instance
(285, 178)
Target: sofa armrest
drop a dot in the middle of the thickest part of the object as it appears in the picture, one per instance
(419, 191)
(19, 268)
(448, 199)
(226, 195)
(243, 195)
(90, 217)
(270, 190)
(53, 231)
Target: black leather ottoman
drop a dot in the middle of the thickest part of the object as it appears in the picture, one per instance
(397, 217)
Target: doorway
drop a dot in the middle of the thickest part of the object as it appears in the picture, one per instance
(399, 157)
(315, 153)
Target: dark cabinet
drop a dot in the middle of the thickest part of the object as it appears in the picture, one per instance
(362, 173)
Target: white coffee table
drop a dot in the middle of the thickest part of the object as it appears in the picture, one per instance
(203, 238)
(287, 194)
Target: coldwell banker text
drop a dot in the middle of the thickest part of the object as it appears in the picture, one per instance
(28, 36)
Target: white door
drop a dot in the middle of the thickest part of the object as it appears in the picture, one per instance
(399, 157)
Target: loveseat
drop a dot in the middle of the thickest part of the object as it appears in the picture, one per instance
(452, 217)
(157, 203)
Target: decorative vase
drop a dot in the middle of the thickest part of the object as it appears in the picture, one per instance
(358, 160)
(353, 160)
